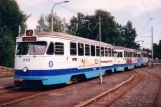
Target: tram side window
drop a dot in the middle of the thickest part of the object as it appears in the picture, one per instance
(102, 51)
(97, 51)
(106, 52)
(109, 52)
(87, 50)
(73, 49)
(128, 54)
(124, 53)
(131, 54)
(112, 52)
(119, 54)
(22, 49)
(92, 50)
(50, 50)
(59, 48)
(80, 49)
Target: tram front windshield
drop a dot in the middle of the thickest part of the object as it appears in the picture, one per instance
(31, 48)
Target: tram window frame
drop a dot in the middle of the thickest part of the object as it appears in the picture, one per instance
(87, 50)
(128, 54)
(97, 51)
(53, 46)
(106, 52)
(93, 50)
(109, 52)
(112, 52)
(102, 51)
(59, 51)
(120, 54)
(124, 53)
(73, 48)
(80, 49)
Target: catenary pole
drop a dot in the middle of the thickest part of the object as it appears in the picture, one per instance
(100, 49)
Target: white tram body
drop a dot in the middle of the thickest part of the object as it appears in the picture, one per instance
(144, 57)
(55, 58)
(125, 58)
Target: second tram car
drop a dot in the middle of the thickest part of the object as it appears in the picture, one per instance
(125, 58)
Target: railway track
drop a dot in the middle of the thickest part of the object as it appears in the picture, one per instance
(103, 101)
(16, 95)
(19, 94)
(159, 91)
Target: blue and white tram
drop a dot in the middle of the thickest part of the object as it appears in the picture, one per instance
(55, 58)
(125, 58)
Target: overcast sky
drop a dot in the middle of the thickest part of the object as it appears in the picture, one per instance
(122, 10)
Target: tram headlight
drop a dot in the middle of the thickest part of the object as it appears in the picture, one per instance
(25, 69)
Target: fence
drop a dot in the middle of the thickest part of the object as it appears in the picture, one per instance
(6, 72)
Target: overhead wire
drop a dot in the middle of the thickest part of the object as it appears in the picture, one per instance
(147, 15)
(146, 9)
(145, 26)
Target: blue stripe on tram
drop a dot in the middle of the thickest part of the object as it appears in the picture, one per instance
(55, 72)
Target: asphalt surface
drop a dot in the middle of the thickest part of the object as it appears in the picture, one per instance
(75, 94)
(6, 82)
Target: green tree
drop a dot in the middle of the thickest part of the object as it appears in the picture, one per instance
(112, 32)
(45, 23)
(11, 17)
(85, 26)
(157, 50)
(128, 34)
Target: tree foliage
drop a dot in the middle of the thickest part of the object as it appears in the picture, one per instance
(10, 19)
(112, 32)
(45, 23)
(157, 50)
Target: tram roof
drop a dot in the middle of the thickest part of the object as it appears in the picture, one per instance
(123, 48)
(67, 36)
(128, 49)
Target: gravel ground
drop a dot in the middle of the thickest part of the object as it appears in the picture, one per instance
(142, 95)
(157, 70)
(75, 94)
(114, 95)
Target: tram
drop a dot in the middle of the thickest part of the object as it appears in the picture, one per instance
(53, 58)
(49, 58)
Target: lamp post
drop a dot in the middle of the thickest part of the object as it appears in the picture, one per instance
(52, 12)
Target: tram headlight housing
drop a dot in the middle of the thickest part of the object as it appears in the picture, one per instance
(25, 69)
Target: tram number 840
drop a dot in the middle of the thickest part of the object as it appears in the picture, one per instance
(26, 59)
